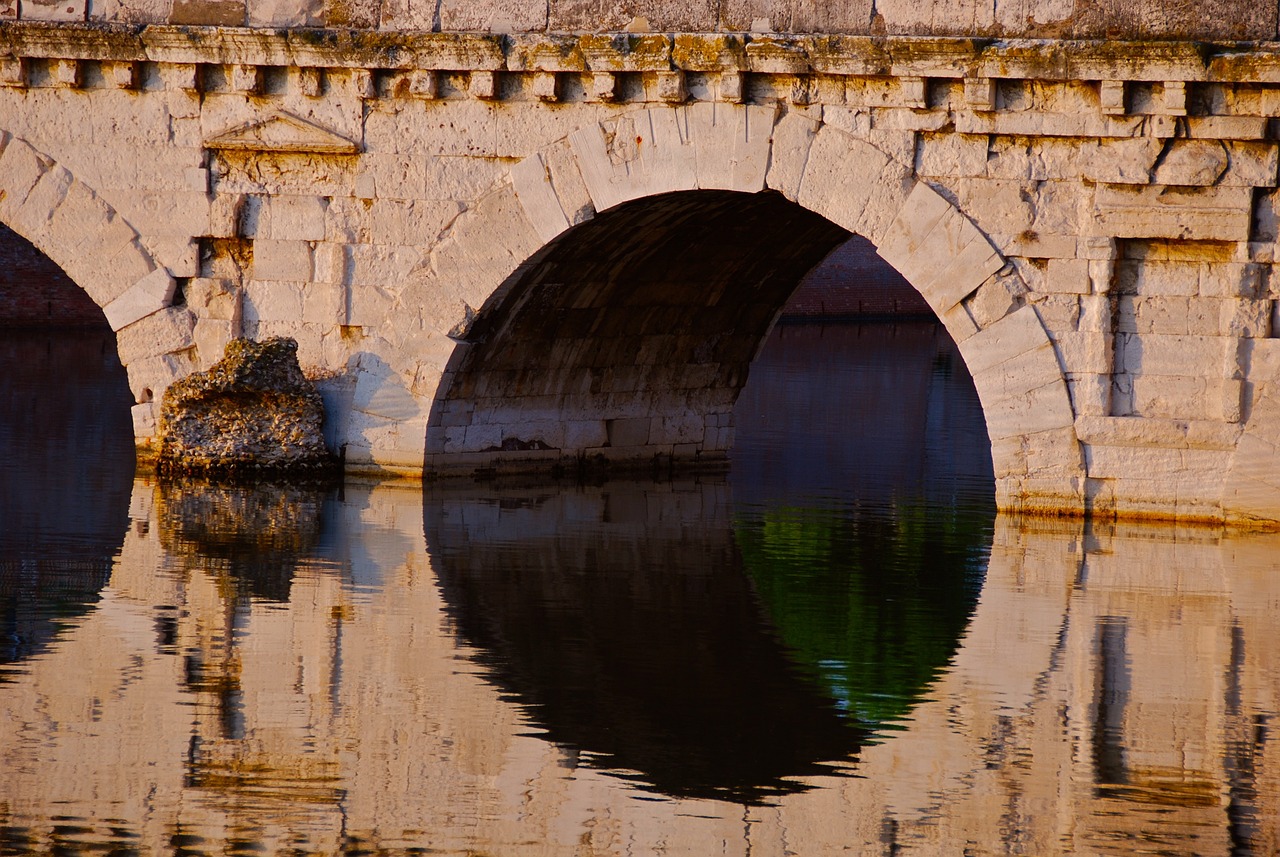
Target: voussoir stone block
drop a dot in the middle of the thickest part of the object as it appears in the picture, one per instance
(938, 249)
(731, 144)
(852, 183)
(148, 295)
(638, 154)
(532, 183)
(793, 135)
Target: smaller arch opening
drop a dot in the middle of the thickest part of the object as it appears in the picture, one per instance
(66, 434)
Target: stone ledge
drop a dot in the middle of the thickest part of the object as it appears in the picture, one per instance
(1157, 433)
(921, 56)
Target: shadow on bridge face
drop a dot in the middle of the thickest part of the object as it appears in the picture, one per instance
(629, 336)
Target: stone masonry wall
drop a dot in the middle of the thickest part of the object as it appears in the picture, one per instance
(1088, 19)
(1095, 223)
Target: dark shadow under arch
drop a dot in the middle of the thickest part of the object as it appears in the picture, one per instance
(628, 337)
(65, 430)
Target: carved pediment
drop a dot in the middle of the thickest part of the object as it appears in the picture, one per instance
(283, 132)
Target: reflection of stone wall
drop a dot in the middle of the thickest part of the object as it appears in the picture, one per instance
(257, 535)
(1113, 686)
(63, 399)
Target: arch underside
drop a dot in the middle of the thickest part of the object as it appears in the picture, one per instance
(628, 335)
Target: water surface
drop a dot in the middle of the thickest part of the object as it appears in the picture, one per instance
(839, 648)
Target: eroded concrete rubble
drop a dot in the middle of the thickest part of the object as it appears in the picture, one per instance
(252, 413)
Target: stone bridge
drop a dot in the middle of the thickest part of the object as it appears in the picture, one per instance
(511, 233)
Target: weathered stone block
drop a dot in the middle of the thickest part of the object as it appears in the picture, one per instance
(1015, 334)
(995, 299)
(1120, 462)
(149, 378)
(840, 177)
(1090, 394)
(252, 412)
(796, 16)
(289, 217)
(1246, 318)
(937, 249)
(1228, 280)
(1192, 162)
(500, 16)
(1084, 353)
(170, 213)
(162, 332)
(1057, 312)
(1041, 409)
(1177, 396)
(792, 138)
(383, 394)
(959, 323)
(639, 155)
(1157, 279)
(144, 420)
(54, 10)
(1120, 161)
(533, 187)
(281, 260)
(1158, 355)
(1018, 375)
(952, 155)
(211, 337)
(209, 13)
(148, 295)
(324, 304)
(483, 84)
(1206, 214)
(1068, 276)
(731, 145)
(267, 301)
(286, 13)
(329, 262)
(628, 432)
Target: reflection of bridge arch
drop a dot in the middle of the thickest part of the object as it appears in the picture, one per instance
(103, 254)
(383, 739)
(504, 243)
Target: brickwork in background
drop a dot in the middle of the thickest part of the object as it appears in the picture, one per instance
(853, 282)
(34, 292)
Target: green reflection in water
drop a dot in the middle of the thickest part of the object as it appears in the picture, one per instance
(871, 602)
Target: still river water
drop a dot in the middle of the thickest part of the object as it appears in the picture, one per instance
(837, 648)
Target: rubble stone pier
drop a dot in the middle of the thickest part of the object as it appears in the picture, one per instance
(510, 233)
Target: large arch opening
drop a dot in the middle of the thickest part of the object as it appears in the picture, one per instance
(627, 339)
(724, 637)
(625, 342)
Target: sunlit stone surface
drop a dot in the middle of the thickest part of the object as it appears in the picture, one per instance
(441, 203)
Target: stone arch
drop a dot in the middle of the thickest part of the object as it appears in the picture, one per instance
(104, 255)
(821, 168)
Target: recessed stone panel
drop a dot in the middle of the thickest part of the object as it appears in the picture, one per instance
(637, 16)
(209, 13)
(796, 16)
(495, 16)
